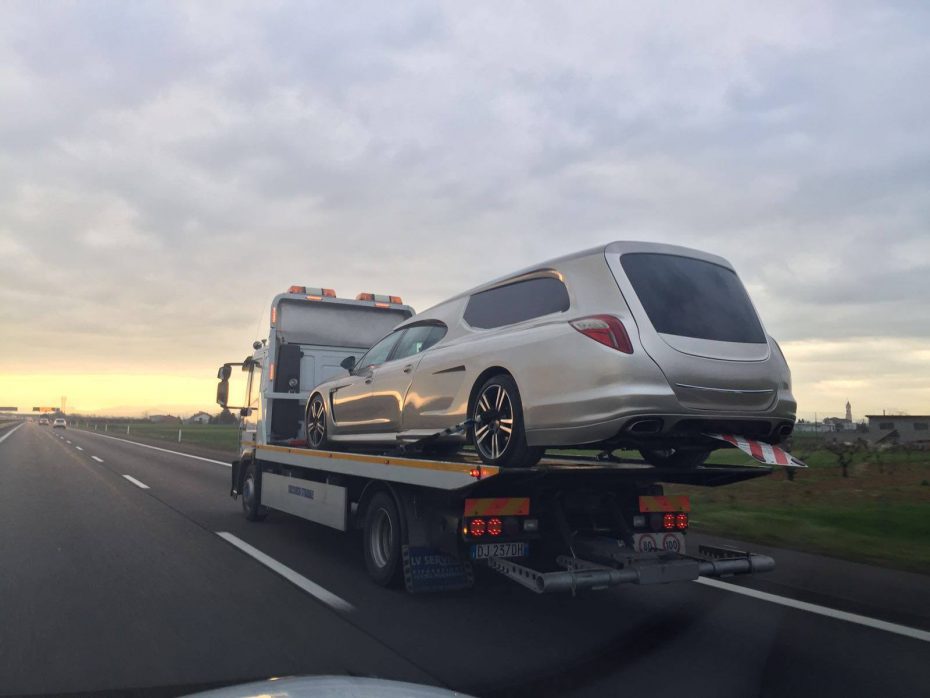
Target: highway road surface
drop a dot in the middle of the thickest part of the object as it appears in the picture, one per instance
(126, 567)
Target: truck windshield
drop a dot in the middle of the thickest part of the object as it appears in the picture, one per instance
(692, 298)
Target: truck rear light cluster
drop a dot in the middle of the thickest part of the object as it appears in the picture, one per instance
(477, 528)
(605, 329)
(495, 526)
(672, 521)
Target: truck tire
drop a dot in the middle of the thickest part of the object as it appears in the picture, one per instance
(315, 423)
(252, 494)
(381, 540)
(674, 458)
(500, 438)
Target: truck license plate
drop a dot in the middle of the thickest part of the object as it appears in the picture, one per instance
(481, 551)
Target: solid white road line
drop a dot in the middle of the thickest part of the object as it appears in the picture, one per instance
(99, 460)
(904, 630)
(156, 448)
(136, 482)
(7, 435)
(290, 575)
(79, 448)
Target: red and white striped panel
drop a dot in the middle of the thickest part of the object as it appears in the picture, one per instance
(761, 451)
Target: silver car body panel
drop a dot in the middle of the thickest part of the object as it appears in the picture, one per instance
(574, 390)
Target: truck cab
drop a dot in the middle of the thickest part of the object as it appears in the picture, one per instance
(311, 333)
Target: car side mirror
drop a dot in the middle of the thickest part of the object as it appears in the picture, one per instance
(348, 363)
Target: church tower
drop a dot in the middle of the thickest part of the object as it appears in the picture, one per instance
(848, 411)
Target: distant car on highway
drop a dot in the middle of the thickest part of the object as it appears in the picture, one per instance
(59, 423)
(43, 420)
(629, 345)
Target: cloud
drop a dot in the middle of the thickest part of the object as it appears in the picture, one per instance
(166, 168)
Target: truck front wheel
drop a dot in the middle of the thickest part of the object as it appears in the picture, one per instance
(382, 540)
(252, 494)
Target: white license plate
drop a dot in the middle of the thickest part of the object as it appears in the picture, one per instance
(481, 551)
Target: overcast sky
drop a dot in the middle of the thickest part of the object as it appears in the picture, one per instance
(165, 169)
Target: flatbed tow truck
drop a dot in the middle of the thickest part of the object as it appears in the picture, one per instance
(567, 524)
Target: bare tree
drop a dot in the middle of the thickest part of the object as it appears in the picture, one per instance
(845, 452)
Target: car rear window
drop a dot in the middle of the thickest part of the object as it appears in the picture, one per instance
(692, 298)
(523, 300)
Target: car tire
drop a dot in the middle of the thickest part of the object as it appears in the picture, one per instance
(315, 423)
(497, 403)
(252, 494)
(382, 538)
(684, 459)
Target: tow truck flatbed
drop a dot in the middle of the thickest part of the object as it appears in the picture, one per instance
(569, 522)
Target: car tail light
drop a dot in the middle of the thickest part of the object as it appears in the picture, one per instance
(668, 522)
(681, 522)
(495, 526)
(605, 329)
(476, 527)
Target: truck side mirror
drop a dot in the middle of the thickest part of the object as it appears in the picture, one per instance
(222, 392)
(224, 373)
(348, 363)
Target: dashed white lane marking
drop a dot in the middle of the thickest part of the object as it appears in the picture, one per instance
(99, 460)
(9, 433)
(66, 441)
(157, 448)
(79, 448)
(904, 630)
(136, 482)
(312, 588)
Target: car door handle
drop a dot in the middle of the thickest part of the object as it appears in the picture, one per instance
(408, 368)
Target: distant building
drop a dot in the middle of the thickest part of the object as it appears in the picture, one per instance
(162, 418)
(901, 429)
(199, 418)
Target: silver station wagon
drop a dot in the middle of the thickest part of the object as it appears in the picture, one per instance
(631, 345)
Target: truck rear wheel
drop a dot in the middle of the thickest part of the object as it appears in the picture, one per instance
(252, 494)
(382, 540)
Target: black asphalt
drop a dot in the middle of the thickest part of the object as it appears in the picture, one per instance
(108, 587)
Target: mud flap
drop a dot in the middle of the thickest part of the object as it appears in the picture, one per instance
(428, 569)
(760, 451)
(236, 485)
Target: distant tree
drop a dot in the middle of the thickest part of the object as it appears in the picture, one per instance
(845, 453)
(224, 417)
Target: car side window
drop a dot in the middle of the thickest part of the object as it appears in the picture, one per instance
(516, 302)
(378, 354)
(418, 339)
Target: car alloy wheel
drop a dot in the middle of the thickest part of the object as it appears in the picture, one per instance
(316, 422)
(494, 422)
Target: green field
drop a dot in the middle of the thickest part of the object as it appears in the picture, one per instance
(221, 437)
(879, 514)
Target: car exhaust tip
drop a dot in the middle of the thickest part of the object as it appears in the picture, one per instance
(785, 430)
(645, 426)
